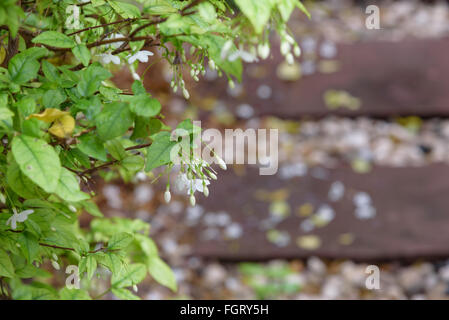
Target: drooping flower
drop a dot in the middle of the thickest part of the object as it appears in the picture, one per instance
(117, 44)
(167, 195)
(107, 58)
(264, 50)
(244, 55)
(142, 56)
(18, 217)
(225, 49)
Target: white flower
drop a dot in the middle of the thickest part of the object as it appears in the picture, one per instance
(244, 55)
(142, 56)
(55, 264)
(264, 50)
(115, 45)
(186, 93)
(167, 196)
(285, 48)
(220, 162)
(225, 50)
(191, 185)
(297, 51)
(192, 200)
(290, 59)
(18, 217)
(107, 58)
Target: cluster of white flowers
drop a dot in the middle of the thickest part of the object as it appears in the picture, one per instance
(289, 45)
(196, 70)
(195, 175)
(175, 83)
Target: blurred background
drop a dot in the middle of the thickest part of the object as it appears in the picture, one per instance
(363, 176)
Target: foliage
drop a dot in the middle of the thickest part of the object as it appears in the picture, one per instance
(63, 120)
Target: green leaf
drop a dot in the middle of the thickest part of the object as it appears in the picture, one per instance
(161, 272)
(5, 113)
(88, 264)
(144, 106)
(129, 275)
(19, 183)
(286, 8)
(114, 120)
(147, 245)
(68, 187)
(138, 88)
(158, 153)
(81, 52)
(126, 10)
(24, 66)
(120, 241)
(303, 8)
(92, 146)
(6, 267)
(26, 106)
(258, 12)
(133, 163)
(29, 246)
(50, 71)
(37, 160)
(53, 98)
(124, 294)
(91, 79)
(92, 208)
(116, 149)
(73, 294)
(54, 39)
(110, 260)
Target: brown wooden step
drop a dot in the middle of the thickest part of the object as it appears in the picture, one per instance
(411, 221)
(409, 77)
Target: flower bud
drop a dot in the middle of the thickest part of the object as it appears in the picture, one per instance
(185, 93)
(192, 200)
(167, 196)
(296, 50)
(135, 288)
(285, 48)
(220, 162)
(212, 64)
(55, 265)
(206, 191)
(263, 50)
(212, 175)
(289, 58)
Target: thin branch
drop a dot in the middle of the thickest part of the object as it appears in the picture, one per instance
(101, 26)
(71, 249)
(107, 164)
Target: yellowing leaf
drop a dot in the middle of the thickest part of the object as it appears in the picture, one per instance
(2, 54)
(63, 126)
(49, 115)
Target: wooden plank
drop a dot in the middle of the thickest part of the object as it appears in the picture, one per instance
(410, 77)
(411, 221)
